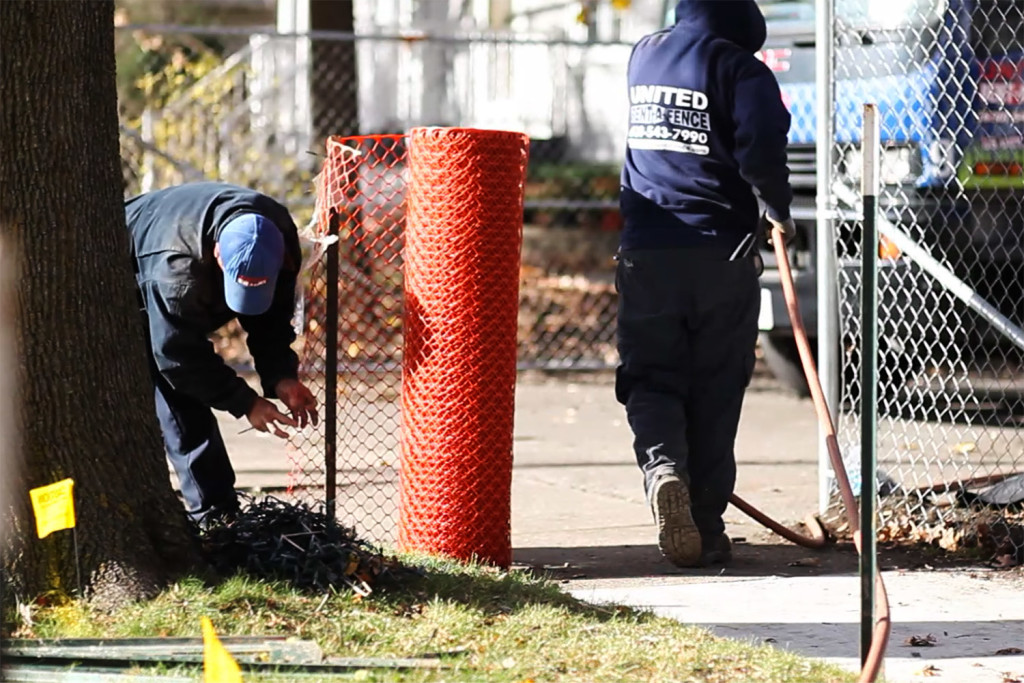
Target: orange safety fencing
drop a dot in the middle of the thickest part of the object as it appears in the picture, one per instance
(411, 326)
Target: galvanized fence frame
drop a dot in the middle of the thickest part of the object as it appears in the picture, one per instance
(951, 361)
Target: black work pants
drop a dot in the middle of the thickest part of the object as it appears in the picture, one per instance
(194, 447)
(687, 330)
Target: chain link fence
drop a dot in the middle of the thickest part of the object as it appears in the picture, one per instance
(256, 109)
(949, 81)
(268, 111)
(948, 75)
(352, 336)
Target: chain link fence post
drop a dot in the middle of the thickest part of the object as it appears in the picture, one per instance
(825, 253)
(949, 82)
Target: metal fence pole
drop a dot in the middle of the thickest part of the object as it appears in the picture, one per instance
(869, 376)
(331, 373)
(825, 256)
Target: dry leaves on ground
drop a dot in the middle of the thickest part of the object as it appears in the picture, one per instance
(921, 641)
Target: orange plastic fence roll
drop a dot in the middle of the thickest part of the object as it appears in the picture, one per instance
(462, 258)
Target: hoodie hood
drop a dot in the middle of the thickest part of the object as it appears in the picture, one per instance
(738, 21)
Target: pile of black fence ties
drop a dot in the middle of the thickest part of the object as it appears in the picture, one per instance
(272, 539)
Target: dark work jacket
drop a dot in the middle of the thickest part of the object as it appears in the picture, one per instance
(182, 289)
(707, 127)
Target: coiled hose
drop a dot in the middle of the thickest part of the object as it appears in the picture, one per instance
(816, 539)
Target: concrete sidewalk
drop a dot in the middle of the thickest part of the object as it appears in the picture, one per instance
(967, 620)
(578, 514)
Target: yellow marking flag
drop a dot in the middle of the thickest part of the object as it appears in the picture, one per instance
(218, 664)
(54, 507)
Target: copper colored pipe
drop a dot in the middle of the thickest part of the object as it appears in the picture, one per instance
(816, 539)
(876, 653)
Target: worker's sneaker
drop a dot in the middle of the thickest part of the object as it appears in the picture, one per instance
(716, 550)
(217, 517)
(678, 537)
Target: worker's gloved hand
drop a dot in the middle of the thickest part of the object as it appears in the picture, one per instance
(265, 417)
(787, 226)
(298, 399)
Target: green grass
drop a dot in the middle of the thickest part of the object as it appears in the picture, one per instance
(499, 626)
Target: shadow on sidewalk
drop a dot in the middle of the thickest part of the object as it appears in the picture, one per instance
(749, 560)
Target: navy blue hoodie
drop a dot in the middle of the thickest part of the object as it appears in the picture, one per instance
(707, 127)
(181, 287)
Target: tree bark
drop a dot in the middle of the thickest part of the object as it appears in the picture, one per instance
(86, 401)
(8, 390)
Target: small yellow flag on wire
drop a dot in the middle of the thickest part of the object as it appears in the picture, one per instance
(218, 664)
(54, 507)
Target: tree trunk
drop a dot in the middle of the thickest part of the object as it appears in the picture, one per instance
(86, 401)
(8, 437)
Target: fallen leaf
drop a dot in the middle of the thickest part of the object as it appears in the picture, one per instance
(1010, 651)
(920, 641)
(1005, 561)
(806, 562)
(1010, 678)
(929, 670)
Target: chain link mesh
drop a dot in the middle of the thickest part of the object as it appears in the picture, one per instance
(360, 200)
(250, 109)
(949, 81)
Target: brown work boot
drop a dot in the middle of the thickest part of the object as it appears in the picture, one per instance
(716, 550)
(678, 536)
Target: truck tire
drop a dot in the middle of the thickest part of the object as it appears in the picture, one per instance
(783, 361)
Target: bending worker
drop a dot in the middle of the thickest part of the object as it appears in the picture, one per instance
(707, 130)
(206, 253)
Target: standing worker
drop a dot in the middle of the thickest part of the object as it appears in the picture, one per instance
(707, 128)
(206, 253)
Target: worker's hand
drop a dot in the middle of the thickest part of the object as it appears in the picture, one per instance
(299, 400)
(265, 417)
(788, 228)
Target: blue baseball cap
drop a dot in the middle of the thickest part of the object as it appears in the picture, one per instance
(251, 254)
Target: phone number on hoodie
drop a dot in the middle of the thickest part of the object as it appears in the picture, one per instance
(666, 133)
